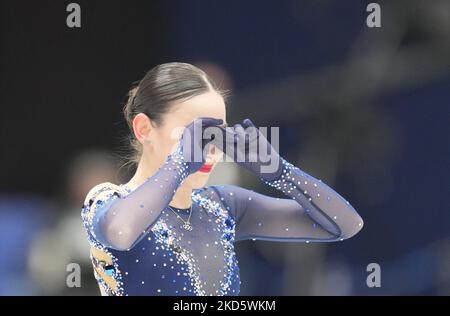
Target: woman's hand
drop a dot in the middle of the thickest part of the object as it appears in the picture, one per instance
(248, 147)
(193, 143)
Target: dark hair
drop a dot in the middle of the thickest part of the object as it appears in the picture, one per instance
(160, 87)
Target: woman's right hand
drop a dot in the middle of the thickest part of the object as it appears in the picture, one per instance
(192, 143)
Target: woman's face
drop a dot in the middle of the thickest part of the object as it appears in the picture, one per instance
(165, 137)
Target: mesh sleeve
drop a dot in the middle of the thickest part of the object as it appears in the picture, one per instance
(313, 211)
(118, 220)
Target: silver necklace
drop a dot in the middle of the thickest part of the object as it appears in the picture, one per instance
(186, 224)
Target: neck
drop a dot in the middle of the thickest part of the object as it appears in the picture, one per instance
(182, 197)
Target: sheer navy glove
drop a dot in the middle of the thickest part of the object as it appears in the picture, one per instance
(249, 148)
(193, 144)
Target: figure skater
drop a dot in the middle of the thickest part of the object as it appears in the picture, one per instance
(164, 232)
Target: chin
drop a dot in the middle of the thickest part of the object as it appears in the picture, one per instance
(197, 180)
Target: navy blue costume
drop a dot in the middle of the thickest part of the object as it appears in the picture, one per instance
(143, 246)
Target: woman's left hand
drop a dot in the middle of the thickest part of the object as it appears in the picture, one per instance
(248, 147)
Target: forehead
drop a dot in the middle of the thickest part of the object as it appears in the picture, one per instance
(209, 104)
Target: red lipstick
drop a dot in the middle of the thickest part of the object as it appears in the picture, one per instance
(206, 168)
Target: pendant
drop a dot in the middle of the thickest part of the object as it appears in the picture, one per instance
(187, 226)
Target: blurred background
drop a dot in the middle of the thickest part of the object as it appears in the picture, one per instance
(367, 110)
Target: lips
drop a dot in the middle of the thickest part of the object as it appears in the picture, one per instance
(206, 168)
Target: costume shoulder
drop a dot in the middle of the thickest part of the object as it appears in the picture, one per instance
(102, 190)
(99, 194)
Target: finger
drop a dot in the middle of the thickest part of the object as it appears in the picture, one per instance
(248, 123)
(240, 132)
(238, 129)
(251, 129)
(221, 137)
(210, 121)
(229, 139)
(241, 141)
(228, 134)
